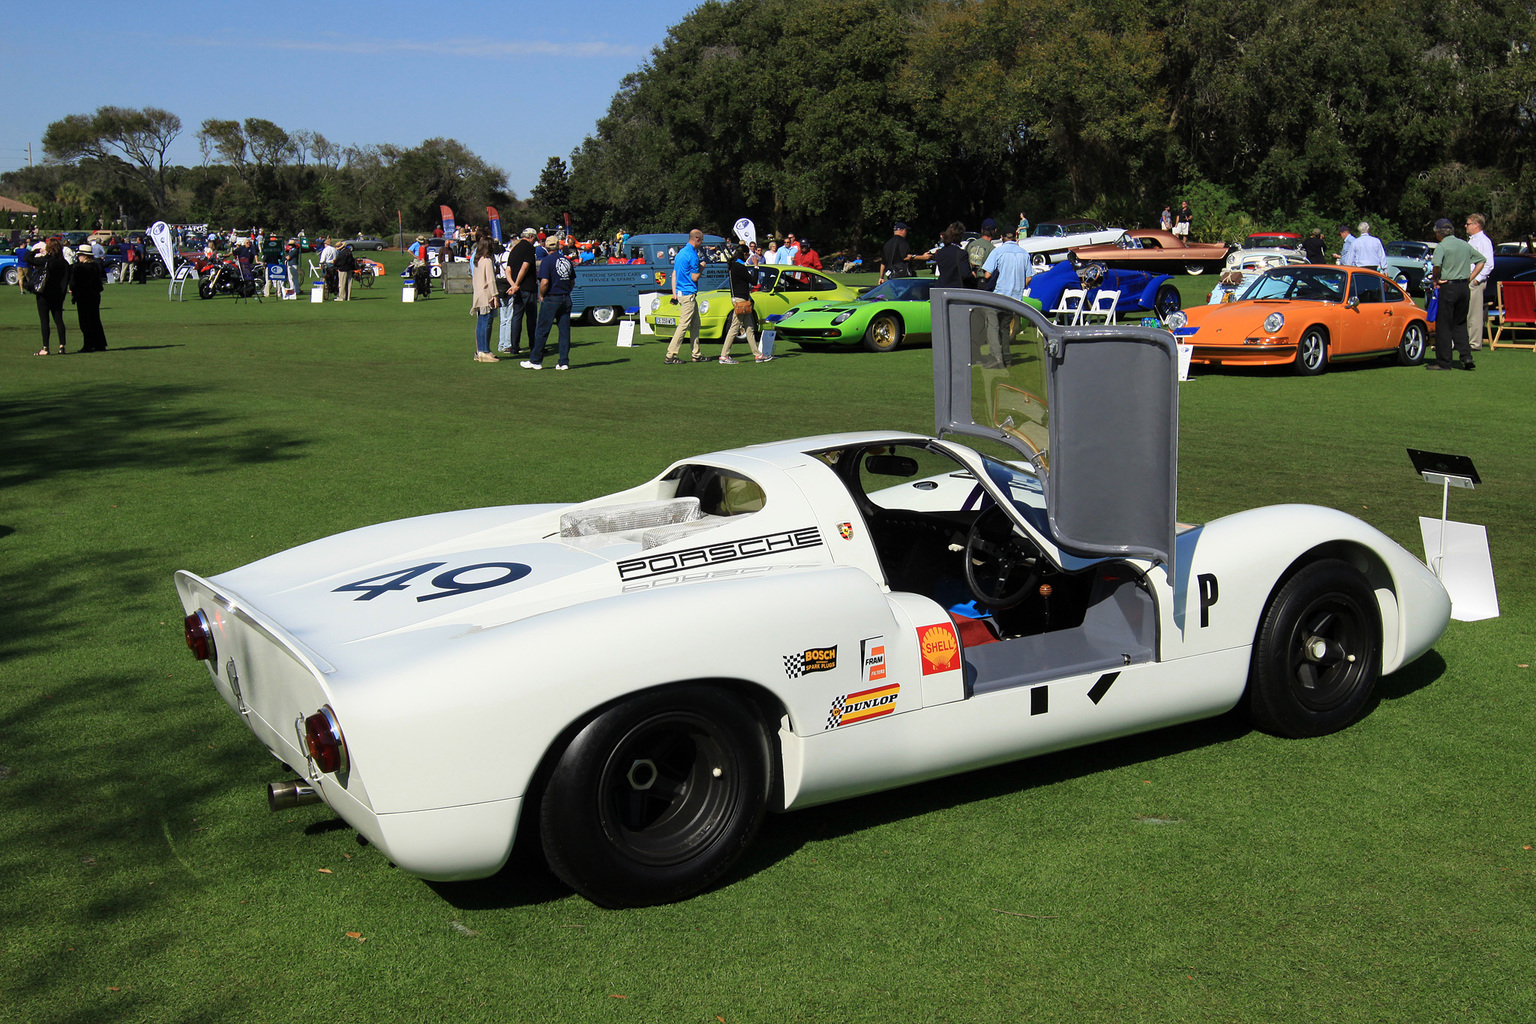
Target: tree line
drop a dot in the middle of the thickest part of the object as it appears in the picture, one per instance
(109, 169)
(836, 117)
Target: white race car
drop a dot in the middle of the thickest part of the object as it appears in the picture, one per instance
(642, 676)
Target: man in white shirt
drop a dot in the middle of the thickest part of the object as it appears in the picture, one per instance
(1480, 241)
(1367, 251)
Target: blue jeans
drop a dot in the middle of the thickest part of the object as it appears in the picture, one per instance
(553, 308)
(483, 331)
(504, 325)
(525, 310)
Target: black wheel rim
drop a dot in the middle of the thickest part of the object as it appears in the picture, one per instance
(670, 787)
(1168, 301)
(1329, 652)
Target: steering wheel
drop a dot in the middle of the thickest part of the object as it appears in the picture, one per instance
(1000, 565)
(1090, 274)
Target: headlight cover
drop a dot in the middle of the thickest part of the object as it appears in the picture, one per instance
(704, 307)
(655, 303)
(1176, 319)
(841, 317)
(1274, 322)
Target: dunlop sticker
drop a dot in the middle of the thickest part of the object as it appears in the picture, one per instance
(864, 705)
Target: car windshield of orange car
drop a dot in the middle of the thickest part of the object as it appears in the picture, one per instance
(1318, 284)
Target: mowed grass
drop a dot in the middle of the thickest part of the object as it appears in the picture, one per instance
(1204, 873)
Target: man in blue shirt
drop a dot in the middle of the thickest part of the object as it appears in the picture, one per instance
(685, 293)
(1007, 269)
(1367, 251)
(557, 276)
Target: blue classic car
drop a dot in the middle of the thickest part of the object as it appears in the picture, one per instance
(1140, 291)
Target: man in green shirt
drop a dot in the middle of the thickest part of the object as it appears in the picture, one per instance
(1456, 263)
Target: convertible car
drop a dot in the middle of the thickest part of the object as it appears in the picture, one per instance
(775, 290)
(1052, 240)
(1155, 250)
(1140, 291)
(1307, 317)
(920, 609)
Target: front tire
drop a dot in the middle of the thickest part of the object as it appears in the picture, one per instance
(205, 288)
(1410, 351)
(1168, 302)
(657, 797)
(1312, 352)
(11, 276)
(1317, 655)
(602, 316)
(884, 333)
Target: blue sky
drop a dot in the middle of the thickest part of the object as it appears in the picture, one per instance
(516, 82)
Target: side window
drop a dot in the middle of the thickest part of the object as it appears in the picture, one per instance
(817, 283)
(720, 491)
(914, 478)
(1367, 288)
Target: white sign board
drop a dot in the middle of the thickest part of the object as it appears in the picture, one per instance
(627, 334)
(1465, 569)
(1185, 353)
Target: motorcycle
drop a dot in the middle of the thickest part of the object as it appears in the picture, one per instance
(218, 276)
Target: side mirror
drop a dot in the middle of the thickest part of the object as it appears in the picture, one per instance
(1353, 303)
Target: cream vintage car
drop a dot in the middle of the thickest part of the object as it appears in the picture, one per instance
(902, 606)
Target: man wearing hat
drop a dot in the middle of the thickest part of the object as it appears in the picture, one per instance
(978, 249)
(896, 257)
(345, 264)
(1456, 263)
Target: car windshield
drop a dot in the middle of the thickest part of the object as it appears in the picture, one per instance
(1268, 242)
(1413, 250)
(900, 289)
(1319, 284)
(1048, 230)
(1022, 488)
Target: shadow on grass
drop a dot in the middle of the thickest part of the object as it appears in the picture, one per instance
(527, 881)
(90, 426)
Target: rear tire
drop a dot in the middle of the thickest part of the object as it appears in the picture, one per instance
(1193, 269)
(884, 333)
(1410, 351)
(11, 276)
(1312, 352)
(602, 316)
(657, 797)
(1317, 655)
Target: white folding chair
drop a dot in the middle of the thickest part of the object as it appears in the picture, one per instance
(1103, 308)
(1069, 310)
(315, 271)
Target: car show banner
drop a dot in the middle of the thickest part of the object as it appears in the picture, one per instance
(746, 231)
(495, 216)
(160, 233)
(447, 214)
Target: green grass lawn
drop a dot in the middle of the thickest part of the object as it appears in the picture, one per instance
(1203, 873)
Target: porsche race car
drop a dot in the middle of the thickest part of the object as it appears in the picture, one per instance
(919, 606)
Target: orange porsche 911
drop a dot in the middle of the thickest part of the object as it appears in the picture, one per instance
(1307, 317)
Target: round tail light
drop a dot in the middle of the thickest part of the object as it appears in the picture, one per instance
(323, 737)
(199, 636)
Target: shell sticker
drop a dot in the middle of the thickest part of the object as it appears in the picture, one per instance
(939, 647)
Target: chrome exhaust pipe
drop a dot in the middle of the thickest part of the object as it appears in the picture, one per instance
(293, 793)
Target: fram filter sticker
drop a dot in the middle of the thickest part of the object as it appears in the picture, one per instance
(939, 647)
(862, 706)
(872, 659)
(817, 659)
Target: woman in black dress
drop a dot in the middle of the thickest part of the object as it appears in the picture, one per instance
(50, 263)
(86, 280)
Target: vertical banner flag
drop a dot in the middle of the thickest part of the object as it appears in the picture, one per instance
(399, 230)
(160, 234)
(746, 231)
(490, 211)
(567, 224)
(447, 221)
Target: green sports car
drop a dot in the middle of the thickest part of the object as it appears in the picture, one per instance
(880, 319)
(775, 289)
